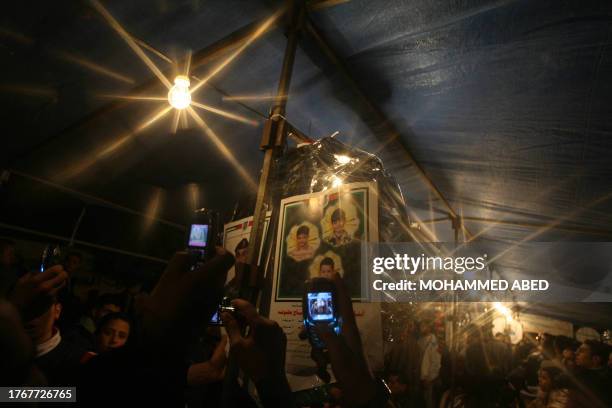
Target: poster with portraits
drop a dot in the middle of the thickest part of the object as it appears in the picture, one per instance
(320, 234)
(236, 239)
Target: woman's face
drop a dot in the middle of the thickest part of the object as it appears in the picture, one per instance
(113, 335)
(544, 381)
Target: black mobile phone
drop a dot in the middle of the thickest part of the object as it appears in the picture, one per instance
(202, 235)
(51, 256)
(320, 306)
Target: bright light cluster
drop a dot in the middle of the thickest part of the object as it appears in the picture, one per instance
(179, 96)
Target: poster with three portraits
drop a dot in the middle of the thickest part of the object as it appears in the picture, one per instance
(320, 234)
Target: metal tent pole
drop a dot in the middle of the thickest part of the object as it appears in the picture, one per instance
(272, 143)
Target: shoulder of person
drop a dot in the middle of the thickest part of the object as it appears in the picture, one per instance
(558, 398)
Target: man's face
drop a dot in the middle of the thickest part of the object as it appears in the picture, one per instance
(544, 381)
(113, 335)
(106, 309)
(241, 255)
(568, 354)
(338, 226)
(326, 271)
(583, 356)
(73, 263)
(302, 240)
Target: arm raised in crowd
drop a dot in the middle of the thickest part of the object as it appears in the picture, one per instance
(209, 371)
(34, 292)
(260, 353)
(182, 301)
(346, 353)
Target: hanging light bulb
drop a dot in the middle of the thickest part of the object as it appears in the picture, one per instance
(179, 96)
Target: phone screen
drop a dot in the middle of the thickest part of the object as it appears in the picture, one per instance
(320, 306)
(215, 319)
(198, 235)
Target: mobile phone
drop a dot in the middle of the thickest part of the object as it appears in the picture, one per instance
(201, 235)
(320, 306)
(51, 256)
(224, 306)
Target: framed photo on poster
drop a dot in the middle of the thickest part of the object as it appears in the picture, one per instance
(236, 239)
(321, 233)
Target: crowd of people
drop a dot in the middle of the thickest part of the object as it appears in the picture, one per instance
(158, 349)
(541, 371)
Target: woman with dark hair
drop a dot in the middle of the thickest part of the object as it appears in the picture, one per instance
(112, 332)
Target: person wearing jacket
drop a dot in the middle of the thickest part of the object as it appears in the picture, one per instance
(430, 363)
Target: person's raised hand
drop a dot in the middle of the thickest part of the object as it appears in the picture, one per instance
(346, 352)
(261, 352)
(209, 371)
(34, 292)
(183, 300)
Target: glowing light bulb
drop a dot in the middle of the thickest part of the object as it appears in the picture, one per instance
(342, 159)
(179, 96)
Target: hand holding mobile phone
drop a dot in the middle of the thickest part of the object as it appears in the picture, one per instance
(51, 256)
(340, 337)
(202, 234)
(320, 306)
(224, 306)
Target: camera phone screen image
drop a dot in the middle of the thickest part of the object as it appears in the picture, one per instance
(215, 319)
(198, 235)
(320, 306)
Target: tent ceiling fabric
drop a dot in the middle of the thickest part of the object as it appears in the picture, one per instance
(506, 104)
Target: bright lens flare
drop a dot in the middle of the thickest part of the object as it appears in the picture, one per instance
(179, 96)
(336, 182)
(503, 310)
(342, 159)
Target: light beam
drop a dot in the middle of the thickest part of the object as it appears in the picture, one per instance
(256, 34)
(130, 41)
(226, 114)
(222, 148)
(85, 164)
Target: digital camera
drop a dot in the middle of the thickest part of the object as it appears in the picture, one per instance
(224, 306)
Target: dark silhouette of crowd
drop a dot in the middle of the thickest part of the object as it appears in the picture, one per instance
(157, 349)
(541, 371)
